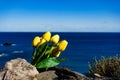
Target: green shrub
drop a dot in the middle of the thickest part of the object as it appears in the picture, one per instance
(109, 67)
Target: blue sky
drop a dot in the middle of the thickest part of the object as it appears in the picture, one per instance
(60, 15)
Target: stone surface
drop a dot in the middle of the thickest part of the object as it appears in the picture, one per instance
(67, 74)
(47, 75)
(18, 69)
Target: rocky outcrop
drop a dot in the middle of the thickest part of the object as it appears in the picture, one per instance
(47, 75)
(67, 74)
(18, 69)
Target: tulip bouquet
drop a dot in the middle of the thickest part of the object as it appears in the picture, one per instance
(46, 50)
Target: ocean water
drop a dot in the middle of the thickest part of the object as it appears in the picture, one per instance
(82, 47)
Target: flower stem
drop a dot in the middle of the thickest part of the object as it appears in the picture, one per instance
(41, 56)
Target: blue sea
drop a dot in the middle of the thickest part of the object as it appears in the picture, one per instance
(82, 47)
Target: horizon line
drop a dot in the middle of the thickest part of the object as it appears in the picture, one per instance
(52, 31)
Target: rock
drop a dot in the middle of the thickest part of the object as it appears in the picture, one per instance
(7, 44)
(58, 73)
(67, 74)
(47, 75)
(18, 69)
(104, 78)
(97, 75)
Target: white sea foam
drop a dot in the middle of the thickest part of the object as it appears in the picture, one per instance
(3, 54)
(20, 51)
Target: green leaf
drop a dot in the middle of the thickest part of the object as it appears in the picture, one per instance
(48, 62)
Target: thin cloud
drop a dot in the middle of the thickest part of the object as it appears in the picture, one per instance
(58, 22)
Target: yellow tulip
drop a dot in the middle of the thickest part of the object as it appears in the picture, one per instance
(56, 53)
(36, 40)
(41, 42)
(46, 36)
(62, 45)
(54, 39)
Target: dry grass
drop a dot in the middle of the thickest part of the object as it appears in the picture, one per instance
(109, 67)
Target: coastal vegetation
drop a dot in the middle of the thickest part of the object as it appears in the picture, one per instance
(108, 67)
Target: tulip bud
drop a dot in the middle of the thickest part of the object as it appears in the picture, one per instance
(46, 36)
(56, 53)
(55, 39)
(62, 45)
(41, 42)
(36, 40)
